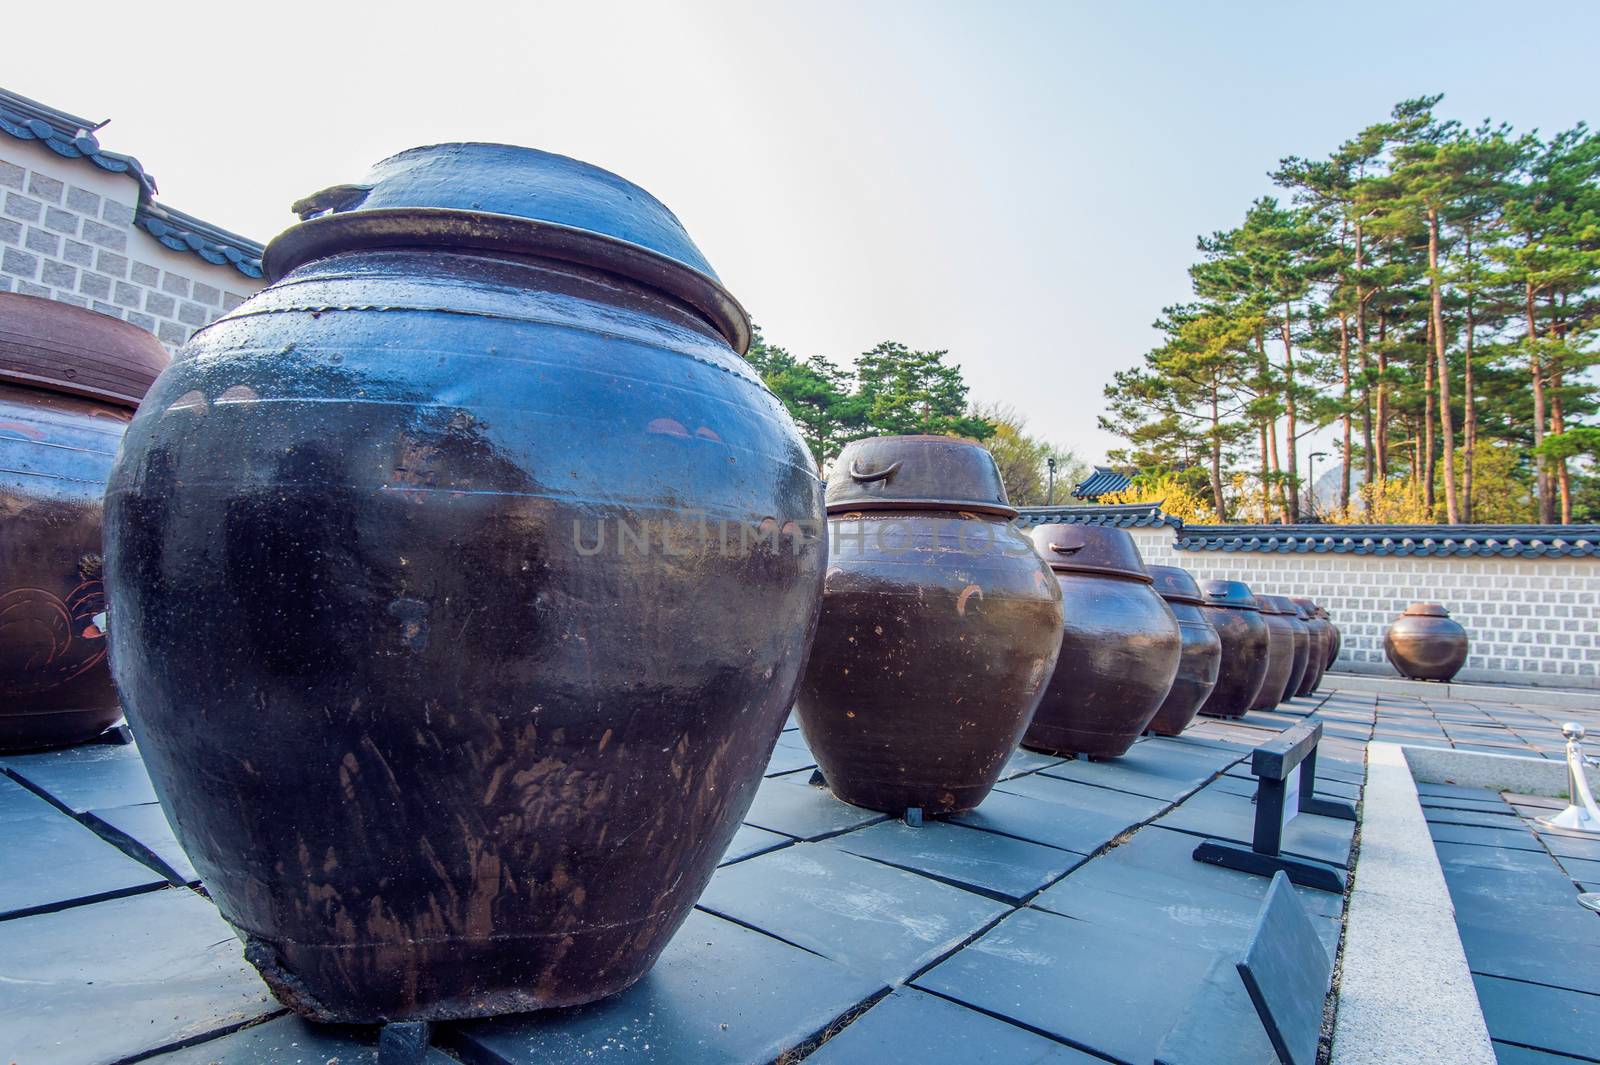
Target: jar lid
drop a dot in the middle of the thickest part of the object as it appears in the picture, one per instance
(1175, 584)
(512, 199)
(917, 473)
(1235, 595)
(1101, 549)
(1426, 610)
(62, 348)
(1278, 604)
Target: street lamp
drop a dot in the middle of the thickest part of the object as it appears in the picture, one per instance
(1311, 487)
(1050, 495)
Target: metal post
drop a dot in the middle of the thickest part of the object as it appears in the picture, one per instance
(1581, 814)
(1050, 496)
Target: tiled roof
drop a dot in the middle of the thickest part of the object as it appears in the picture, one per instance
(72, 137)
(1122, 515)
(1525, 541)
(1103, 481)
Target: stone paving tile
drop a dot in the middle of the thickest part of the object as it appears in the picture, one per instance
(1155, 768)
(749, 842)
(797, 809)
(1449, 815)
(987, 862)
(1098, 988)
(146, 827)
(289, 1041)
(869, 916)
(719, 995)
(787, 759)
(1217, 814)
(113, 980)
(1061, 813)
(1509, 838)
(1024, 761)
(86, 778)
(911, 1026)
(1569, 844)
(1510, 1054)
(48, 860)
(1546, 1018)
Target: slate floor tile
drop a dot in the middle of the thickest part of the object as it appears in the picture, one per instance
(1500, 838)
(86, 777)
(1059, 813)
(1437, 815)
(1217, 814)
(1097, 988)
(1023, 761)
(912, 1026)
(749, 842)
(1220, 1024)
(1153, 768)
(1565, 844)
(786, 759)
(1429, 791)
(1566, 1022)
(145, 826)
(114, 979)
(48, 860)
(985, 861)
(289, 1041)
(1488, 806)
(795, 808)
(860, 913)
(1508, 1054)
(1580, 869)
(719, 995)
(1158, 865)
(1532, 947)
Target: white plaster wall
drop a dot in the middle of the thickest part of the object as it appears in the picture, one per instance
(1531, 621)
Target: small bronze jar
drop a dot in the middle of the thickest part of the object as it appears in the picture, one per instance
(938, 629)
(1321, 640)
(1120, 644)
(1278, 614)
(1236, 615)
(1426, 643)
(1301, 660)
(69, 382)
(1202, 651)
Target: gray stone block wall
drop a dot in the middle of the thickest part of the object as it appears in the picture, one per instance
(64, 236)
(1531, 621)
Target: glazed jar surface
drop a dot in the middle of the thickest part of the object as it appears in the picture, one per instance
(55, 453)
(937, 633)
(1426, 643)
(1201, 660)
(459, 595)
(1236, 617)
(1280, 655)
(1302, 646)
(1120, 645)
(1321, 646)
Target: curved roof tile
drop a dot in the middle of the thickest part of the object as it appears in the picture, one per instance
(1121, 515)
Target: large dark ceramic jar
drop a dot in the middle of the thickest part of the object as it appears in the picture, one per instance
(69, 381)
(1336, 637)
(939, 627)
(1201, 660)
(461, 582)
(1321, 644)
(1300, 659)
(1120, 644)
(1426, 643)
(1236, 615)
(1280, 654)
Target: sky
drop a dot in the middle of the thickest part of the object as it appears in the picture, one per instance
(1018, 183)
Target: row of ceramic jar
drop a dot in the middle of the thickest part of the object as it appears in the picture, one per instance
(457, 587)
(947, 636)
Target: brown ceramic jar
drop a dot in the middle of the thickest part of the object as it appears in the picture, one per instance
(1120, 644)
(69, 381)
(1426, 643)
(1336, 638)
(1202, 651)
(1321, 644)
(939, 627)
(1302, 646)
(1280, 653)
(1236, 615)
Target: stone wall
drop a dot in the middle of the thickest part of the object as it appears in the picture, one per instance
(67, 233)
(1532, 621)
